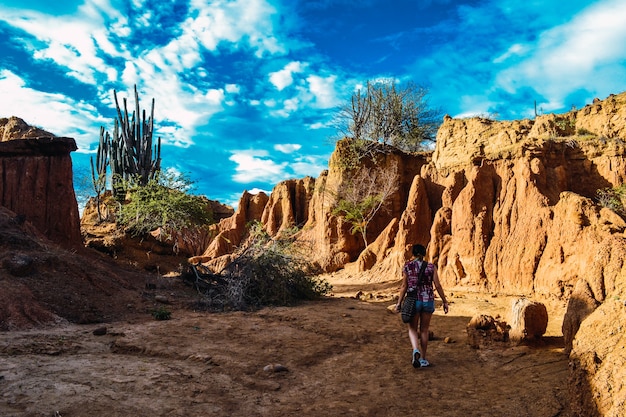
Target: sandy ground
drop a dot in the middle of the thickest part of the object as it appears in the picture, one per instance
(334, 357)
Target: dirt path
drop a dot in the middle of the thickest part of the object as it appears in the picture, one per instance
(341, 357)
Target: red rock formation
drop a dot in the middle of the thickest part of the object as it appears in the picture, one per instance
(288, 205)
(231, 231)
(505, 207)
(37, 181)
(16, 128)
(597, 360)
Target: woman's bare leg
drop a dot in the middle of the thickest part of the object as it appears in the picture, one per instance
(424, 326)
(413, 334)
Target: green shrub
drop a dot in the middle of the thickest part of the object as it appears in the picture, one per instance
(565, 126)
(613, 198)
(164, 202)
(161, 314)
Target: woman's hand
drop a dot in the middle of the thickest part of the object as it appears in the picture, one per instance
(445, 307)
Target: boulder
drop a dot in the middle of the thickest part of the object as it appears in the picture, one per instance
(529, 320)
(484, 330)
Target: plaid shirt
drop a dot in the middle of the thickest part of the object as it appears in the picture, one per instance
(425, 292)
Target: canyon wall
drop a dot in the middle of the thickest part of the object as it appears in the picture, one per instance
(36, 181)
(504, 207)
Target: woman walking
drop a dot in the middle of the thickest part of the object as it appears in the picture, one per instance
(422, 286)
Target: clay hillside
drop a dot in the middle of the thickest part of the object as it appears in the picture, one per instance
(505, 208)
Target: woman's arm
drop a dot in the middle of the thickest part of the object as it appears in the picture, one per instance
(440, 290)
(403, 288)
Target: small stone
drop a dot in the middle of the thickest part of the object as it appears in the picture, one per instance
(100, 331)
(19, 265)
(447, 340)
(275, 367)
(162, 299)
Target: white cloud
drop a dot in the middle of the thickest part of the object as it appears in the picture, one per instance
(71, 45)
(566, 57)
(315, 91)
(284, 78)
(55, 113)
(287, 147)
(323, 89)
(255, 166)
(256, 191)
(79, 41)
(289, 106)
(319, 125)
(310, 165)
(516, 49)
(232, 88)
(249, 20)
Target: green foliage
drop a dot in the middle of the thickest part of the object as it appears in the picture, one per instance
(613, 198)
(584, 132)
(389, 113)
(164, 202)
(362, 196)
(565, 126)
(162, 314)
(355, 212)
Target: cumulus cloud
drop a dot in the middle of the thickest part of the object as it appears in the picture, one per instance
(97, 30)
(55, 113)
(288, 106)
(323, 89)
(254, 166)
(234, 21)
(310, 165)
(565, 57)
(284, 77)
(287, 147)
(74, 43)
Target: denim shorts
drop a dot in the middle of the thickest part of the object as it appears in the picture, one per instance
(425, 306)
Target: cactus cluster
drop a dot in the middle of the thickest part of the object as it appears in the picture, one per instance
(129, 151)
(99, 168)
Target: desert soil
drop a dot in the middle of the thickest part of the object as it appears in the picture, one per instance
(333, 357)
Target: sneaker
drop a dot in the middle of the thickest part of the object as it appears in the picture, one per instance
(423, 363)
(417, 362)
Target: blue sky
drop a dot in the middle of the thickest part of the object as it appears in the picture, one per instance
(246, 90)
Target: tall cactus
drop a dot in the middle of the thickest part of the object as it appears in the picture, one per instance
(130, 151)
(99, 169)
(117, 158)
(135, 135)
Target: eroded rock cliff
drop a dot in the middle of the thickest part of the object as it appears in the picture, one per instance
(37, 184)
(504, 207)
